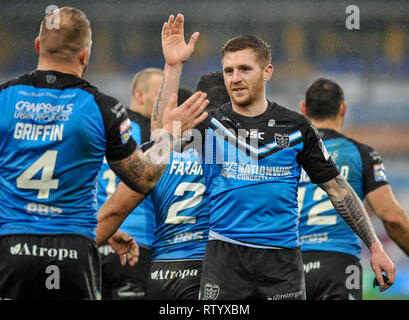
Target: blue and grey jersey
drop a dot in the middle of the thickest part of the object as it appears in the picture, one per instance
(140, 223)
(55, 129)
(182, 210)
(321, 228)
(252, 166)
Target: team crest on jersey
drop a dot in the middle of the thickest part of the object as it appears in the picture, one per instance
(282, 140)
(211, 291)
(125, 129)
(379, 172)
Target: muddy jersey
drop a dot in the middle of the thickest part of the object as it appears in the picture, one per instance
(182, 210)
(55, 129)
(321, 227)
(252, 166)
(140, 224)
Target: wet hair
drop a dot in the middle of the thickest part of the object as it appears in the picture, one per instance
(213, 84)
(259, 46)
(69, 33)
(323, 99)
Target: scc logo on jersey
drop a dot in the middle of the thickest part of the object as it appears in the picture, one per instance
(125, 130)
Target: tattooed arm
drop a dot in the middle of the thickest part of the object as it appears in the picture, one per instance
(176, 52)
(351, 209)
(141, 170)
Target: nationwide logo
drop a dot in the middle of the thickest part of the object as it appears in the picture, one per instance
(165, 275)
(252, 172)
(34, 250)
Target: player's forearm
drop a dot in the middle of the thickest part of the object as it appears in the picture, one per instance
(399, 232)
(140, 171)
(169, 85)
(107, 225)
(351, 209)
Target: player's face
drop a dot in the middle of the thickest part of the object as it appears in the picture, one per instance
(243, 77)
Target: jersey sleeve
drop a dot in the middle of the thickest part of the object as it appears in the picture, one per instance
(373, 170)
(118, 128)
(314, 157)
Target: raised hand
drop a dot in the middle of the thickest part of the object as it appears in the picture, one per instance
(175, 49)
(177, 120)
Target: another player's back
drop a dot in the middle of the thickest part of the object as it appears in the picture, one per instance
(53, 142)
(182, 210)
(321, 228)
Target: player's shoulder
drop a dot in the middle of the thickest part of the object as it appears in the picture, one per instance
(24, 79)
(284, 116)
(364, 149)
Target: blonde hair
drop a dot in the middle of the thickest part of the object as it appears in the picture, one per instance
(140, 79)
(71, 35)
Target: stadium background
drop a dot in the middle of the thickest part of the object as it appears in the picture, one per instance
(308, 38)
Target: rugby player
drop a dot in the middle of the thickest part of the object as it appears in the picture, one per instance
(253, 153)
(330, 249)
(55, 129)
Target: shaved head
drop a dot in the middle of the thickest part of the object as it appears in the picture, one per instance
(71, 36)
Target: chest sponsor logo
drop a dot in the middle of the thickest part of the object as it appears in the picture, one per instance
(250, 172)
(33, 250)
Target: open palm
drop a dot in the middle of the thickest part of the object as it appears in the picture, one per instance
(175, 49)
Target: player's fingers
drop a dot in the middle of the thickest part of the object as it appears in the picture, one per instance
(378, 275)
(198, 103)
(170, 20)
(123, 259)
(192, 41)
(189, 102)
(165, 29)
(201, 108)
(391, 274)
(200, 119)
(178, 24)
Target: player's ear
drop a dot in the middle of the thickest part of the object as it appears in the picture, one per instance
(303, 109)
(343, 108)
(268, 71)
(84, 55)
(37, 44)
(138, 96)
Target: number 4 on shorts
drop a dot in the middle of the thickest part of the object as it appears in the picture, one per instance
(46, 163)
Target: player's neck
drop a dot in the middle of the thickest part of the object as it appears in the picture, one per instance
(328, 124)
(69, 69)
(256, 108)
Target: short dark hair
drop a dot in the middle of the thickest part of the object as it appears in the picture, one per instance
(262, 49)
(183, 95)
(213, 84)
(323, 99)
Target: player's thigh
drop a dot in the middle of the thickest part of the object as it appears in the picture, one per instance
(280, 275)
(124, 282)
(179, 280)
(236, 272)
(332, 276)
(49, 267)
